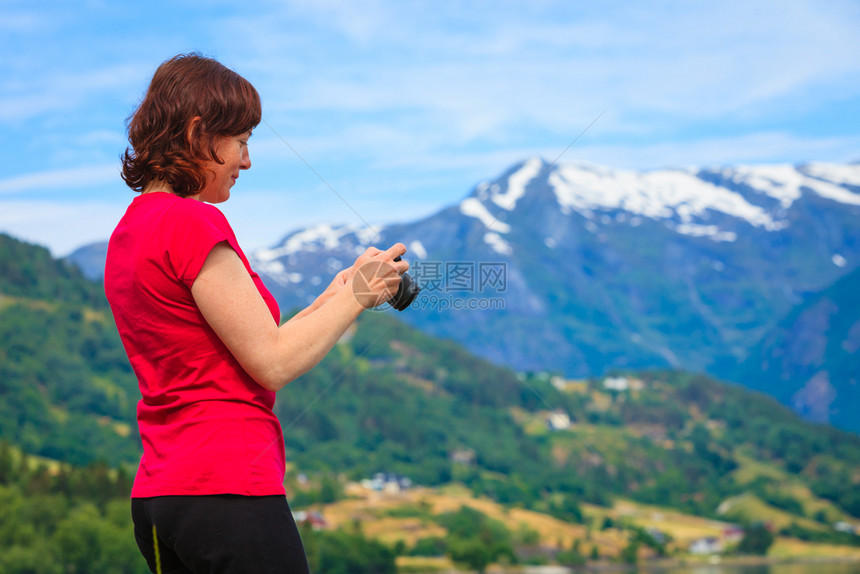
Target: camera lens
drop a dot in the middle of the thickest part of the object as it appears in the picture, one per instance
(406, 292)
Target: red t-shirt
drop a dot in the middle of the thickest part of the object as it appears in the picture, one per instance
(207, 427)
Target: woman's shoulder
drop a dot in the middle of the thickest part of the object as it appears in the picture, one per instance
(186, 217)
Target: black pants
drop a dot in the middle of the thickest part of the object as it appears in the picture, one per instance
(220, 534)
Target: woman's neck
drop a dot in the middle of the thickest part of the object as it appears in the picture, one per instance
(158, 186)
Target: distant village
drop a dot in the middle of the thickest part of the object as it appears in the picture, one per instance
(557, 420)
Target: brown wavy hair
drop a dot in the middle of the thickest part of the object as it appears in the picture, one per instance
(166, 144)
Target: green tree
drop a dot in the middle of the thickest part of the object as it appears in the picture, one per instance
(572, 557)
(86, 541)
(341, 552)
(6, 463)
(432, 546)
(475, 539)
(630, 553)
(757, 540)
(36, 558)
(472, 552)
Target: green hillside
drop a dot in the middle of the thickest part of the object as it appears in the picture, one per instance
(390, 399)
(68, 391)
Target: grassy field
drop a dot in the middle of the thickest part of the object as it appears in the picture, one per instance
(750, 469)
(408, 516)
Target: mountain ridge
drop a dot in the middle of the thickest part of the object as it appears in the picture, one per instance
(598, 268)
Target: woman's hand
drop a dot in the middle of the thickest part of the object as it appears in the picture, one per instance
(368, 279)
(339, 282)
(375, 276)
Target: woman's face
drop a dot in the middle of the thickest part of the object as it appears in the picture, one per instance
(233, 151)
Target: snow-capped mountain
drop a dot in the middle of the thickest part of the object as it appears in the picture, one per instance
(607, 268)
(582, 269)
(707, 203)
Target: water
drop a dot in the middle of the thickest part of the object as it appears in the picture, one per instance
(811, 568)
(815, 568)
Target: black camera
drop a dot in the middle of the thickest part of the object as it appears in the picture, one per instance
(406, 292)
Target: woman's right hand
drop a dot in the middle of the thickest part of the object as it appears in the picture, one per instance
(375, 276)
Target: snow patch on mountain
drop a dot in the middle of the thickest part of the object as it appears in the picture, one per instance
(838, 174)
(656, 195)
(835, 192)
(417, 249)
(497, 243)
(517, 183)
(472, 207)
(276, 270)
(780, 182)
(319, 238)
(711, 231)
(786, 183)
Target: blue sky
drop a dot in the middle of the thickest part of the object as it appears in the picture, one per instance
(402, 107)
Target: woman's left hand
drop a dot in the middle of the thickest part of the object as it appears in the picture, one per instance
(339, 281)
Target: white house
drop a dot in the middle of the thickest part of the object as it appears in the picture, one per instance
(709, 545)
(558, 420)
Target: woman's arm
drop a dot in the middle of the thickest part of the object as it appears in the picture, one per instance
(273, 355)
(336, 284)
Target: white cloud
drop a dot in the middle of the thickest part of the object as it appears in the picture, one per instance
(757, 147)
(684, 61)
(62, 227)
(62, 179)
(401, 105)
(58, 90)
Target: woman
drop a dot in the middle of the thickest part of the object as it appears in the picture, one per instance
(202, 332)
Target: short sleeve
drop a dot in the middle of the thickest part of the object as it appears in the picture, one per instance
(189, 231)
